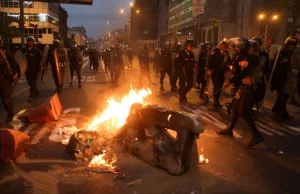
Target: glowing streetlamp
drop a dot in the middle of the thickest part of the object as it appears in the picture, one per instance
(122, 10)
(137, 11)
(262, 17)
(131, 4)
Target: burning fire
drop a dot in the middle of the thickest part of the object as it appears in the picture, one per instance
(100, 161)
(116, 114)
(203, 160)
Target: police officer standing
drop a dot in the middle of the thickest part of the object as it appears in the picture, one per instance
(166, 65)
(33, 57)
(144, 60)
(244, 97)
(186, 59)
(201, 81)
(8, 73)
(216, 69)
(117, 65)
(177, 67)
(156, 61)
(51, 60)
(76, 62)
(107, 60)
(283, 71)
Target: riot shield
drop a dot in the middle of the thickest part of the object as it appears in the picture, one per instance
(45, 54)
(62, 65)
(21, 61)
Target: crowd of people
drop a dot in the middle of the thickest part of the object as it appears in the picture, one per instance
(239, 62)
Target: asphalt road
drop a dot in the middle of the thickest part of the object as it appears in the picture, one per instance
(272, 167)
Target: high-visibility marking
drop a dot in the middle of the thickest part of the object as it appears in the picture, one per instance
(268, 128)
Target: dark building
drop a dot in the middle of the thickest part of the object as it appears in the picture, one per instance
(144, 20)
(63, 24)
(163, 22)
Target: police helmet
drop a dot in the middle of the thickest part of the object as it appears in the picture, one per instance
(73, 45)
(167, 44)
(241, 43)
(30, 38)
(257, 39)
(291, 40)
(208, 44)
(146, 46)
(201, 45)
(255, 45)
(224, 41)
(189, 42)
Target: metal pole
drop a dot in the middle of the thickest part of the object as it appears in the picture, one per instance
(21, 23)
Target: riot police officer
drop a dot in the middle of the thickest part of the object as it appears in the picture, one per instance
(186, 59)
(117, 65)
(244, 97)
(107, 60)
(201, 81)
(283, 72)
(166, 65)
(33, 57)
(261, 72)
(157, 54)
(216, 69)
(176, 66)
(51, 60)
(9, 72)
(144, 60)
(76, 62)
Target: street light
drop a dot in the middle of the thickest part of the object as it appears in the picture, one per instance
(131, 4)
(122, 10)
(262, 17)
(137, 11)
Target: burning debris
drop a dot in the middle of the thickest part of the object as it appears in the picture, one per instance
(145, 135)
(203, 160)
(143, 130)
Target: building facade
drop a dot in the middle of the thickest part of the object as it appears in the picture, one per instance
(63, 24)
(41, 19)
(163, 22)
(78, 34)
(182, 19)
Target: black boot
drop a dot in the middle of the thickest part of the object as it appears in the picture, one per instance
(228, 131)
(217, 105)
(30, 99)
(79, 85)
(162, 89)
(37, 92)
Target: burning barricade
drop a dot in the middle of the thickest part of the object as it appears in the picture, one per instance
(142, 130)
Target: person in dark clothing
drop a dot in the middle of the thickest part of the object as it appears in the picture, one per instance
(90, 58)
(117, 64)
(201, 81)
(156, 61)
(130, 57)
(95, 60)
(216, 69)
(186, 59)
(177, 67)
(278, 82)
(51, 60)
(144, 60)
(165, 65)
(107, 60)
(261, 72)
(33, 57)
(9, 72)
(76, 62)
(245, 96)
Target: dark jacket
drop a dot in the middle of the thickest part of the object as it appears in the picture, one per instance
(33, 57)
(166, 59)
(187, 61)
(75, 57)
(217, 61)
(202, 60)
(117, 58)
(144, 58)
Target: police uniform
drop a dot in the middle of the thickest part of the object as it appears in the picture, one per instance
(156, 62)
(6, 84)
(278, 82)
(117, 63)
(107, 60)
(130, 57)
(76, 62)
(33, 57)
(244, 98)
(177, 70)
(216, 64)
(201, 71)
(95, 60)
(186, 60)
(144, 60)
(166, 65)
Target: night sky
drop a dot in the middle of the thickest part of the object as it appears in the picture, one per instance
(94, 18)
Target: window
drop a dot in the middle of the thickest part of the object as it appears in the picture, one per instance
(49, 31)
(44, 30)
(40, 31)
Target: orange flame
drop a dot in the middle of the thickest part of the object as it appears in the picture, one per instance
(100, 161)
(116, 114)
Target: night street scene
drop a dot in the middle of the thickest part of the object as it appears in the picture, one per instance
(150, 97)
